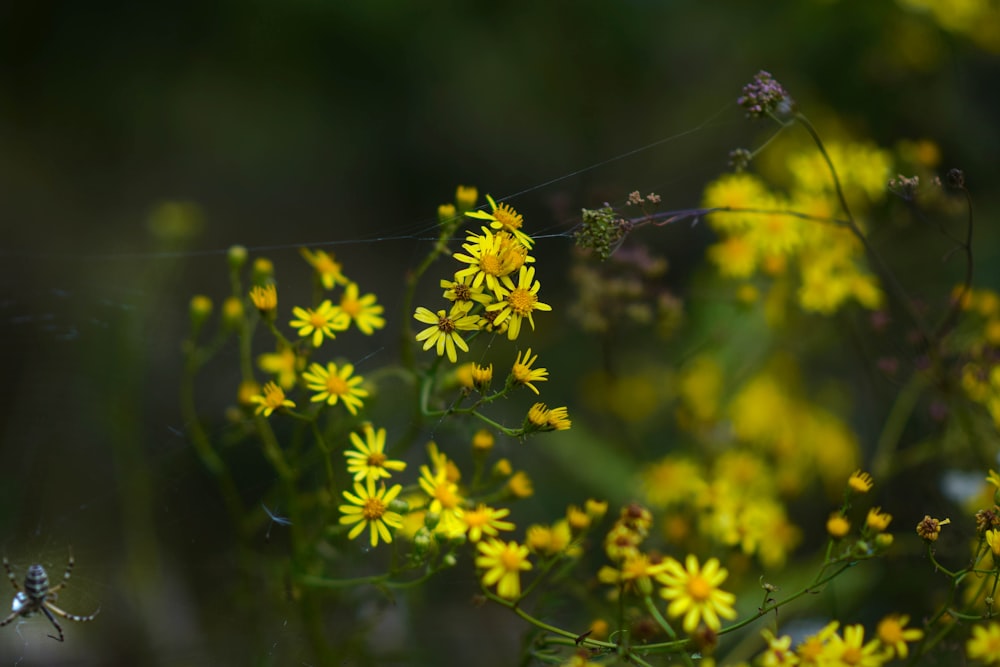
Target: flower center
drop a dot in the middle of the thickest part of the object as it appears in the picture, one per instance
(373, 509)
(507, 217)
(491, 265)
(350, 306)
(462, 293)
(318, 320)
(699, 589)
(521, 373)
(510, 559)
(337, 385)
(376, 459)
(446, 497)
(522, 301)
(446, 325)
(851, 656)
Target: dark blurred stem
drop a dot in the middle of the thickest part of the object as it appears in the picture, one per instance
(203, 446)
(956, 307)
(895, 423)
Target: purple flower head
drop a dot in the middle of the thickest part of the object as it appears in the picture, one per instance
(764, 96)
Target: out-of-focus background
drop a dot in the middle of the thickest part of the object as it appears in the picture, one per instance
(282, 124)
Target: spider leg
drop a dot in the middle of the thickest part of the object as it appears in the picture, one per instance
(67, 615)
(9, 618)
(52, 619)
(66, 575)
(11, 575)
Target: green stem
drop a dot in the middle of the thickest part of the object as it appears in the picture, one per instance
(892, 431)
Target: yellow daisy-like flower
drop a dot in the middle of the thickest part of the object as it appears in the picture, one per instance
(265, 299)
(851, 649)
(370, 508)
(491, 257)
(541, 418)
(878, 520)
(446, 501)
(518, 302)
(993, 540)
(503, 564)
(812, 652)
(462, 293)
(860, 482)
(328, 269)
(892, 632)
(370, 460)
(444, 330)
(779, 652)
(484, 521)
(272, 398)
(636, 571)
(694, 592)
(482, 376)
(522, 373)
(363, 311)
(283, 364)
(506, 218)
(985, 644)
(520, 485)
(321, 323)
(335, 385)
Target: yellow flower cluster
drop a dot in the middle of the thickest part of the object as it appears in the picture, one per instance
(794, 237)
(496, 291)
(831, 647)
(333, 383)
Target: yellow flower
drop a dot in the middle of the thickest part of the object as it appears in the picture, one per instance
(462, 293)
(694, 592)
(335, 385)
(985, 644)
(779, 652)
(877, 520)
(282, 363)
(484, 521)
(851, 649)
(370, 508)
(320, 323)
(265, 299)
(636, 570)
(551, 540)
(519, 485)
(482, 376)
(466, 196)
(519, 302)
(892, 632)
(860, 482)
(328, 269)
(522, 373)
(993, 539)
(483, 440)
(444, 330)
(490, 257)
(813, 651)
(837, 525)
(270, 400)
(506, 218)
(370, 460)
(503, 564)
(446, 501)
(994, 479)
(541, 418)
(363, 311)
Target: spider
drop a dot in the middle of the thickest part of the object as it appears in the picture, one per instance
(38, 597)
